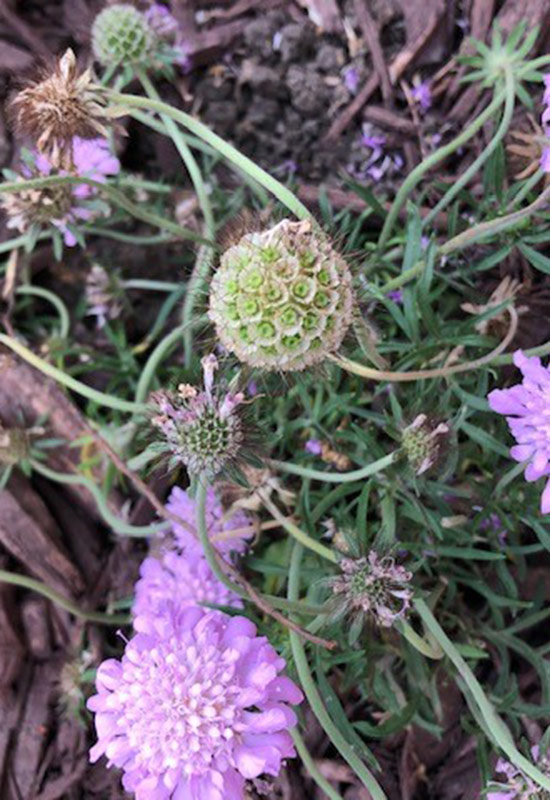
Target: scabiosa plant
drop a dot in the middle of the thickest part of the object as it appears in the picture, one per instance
(202, 429)
(282, 299)
(65, 206)
(196, 706)
(122, 35)
(526, 406)
(228, 531)
(63, 105)
(423, 442)
(178, 580)
(371, 587)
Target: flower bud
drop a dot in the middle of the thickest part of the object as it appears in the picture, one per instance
(423, 442)
(282, 299)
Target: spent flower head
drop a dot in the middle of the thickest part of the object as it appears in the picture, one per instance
(202, 428)
(104, 295)
(372, 587)
(227, 530)
(526, 406)
(423, 442)
(64, 206)
(177, 580)
(63, 105)
(282, 299)
(196, 706)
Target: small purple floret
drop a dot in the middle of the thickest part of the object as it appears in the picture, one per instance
(527, 409)
(422, 95)
(196, 706)
(314, 447)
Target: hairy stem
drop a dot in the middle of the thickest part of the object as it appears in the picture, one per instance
(296, 532)
(337, 477)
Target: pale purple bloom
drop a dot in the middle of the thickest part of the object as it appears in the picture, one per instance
(252, 388)
(314, 447)
(422, 95)
(351, 79)
(92, 159)
(527, 409)
(167, 28)
(177, 580)
(375, 143)
(220, 525)
(196, 706)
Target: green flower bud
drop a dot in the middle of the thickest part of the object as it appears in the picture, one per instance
(423, 442)
(122, 35)
(282, 299)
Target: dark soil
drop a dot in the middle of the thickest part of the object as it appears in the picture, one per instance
(295, 84)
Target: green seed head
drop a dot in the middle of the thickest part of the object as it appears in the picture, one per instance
(122, 35)
(282, 299)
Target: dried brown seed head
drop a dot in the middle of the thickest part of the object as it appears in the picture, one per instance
(64, 104)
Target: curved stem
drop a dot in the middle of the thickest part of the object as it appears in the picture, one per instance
(148, 371)
(57, 302)
(417, 641)
(208, 548)
(284, 195)
(58, 375)
(164, 312)
(337, 477)
(495, 725)
(14, 244)
(44, 590)
(527, 187)
(424, 374)
(151, 286)
(298, 534)
(113, 194)
(118, 525)
(312, 768)
(417, 174)
(476, 165)
(312, 693)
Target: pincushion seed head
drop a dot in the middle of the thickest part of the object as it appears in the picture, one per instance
(282, 299)
(122, 35)
(423, 442)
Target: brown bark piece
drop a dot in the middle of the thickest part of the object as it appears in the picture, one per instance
(35, 541)
(323, 13)
(11, 648)
(371, 34)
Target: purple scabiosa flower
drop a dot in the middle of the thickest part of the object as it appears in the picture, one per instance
(196, 706)
(422, 96)
(63, 207)
(527, 409)
(220, 524)
(167, 30)
(177, 580)
(314, 447)
(372, 587)
(202, 429)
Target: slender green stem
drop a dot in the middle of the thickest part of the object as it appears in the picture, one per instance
(118, 525)
(205, 256)
(14, 244)
(44, 590)
(476, 165)
(208, 548)
(403, 278)
(338, 477)
(313, 695)
(494, 226)
(160, 351)
(418, 173)
(164, 312)
(495, 725)
(284, 195)
(58, 375)
(57, 302)
(312, 768)
(118, 198)
(152, 286)
(296, 532)
(130, 238)
(417, 641)
(508, 358)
